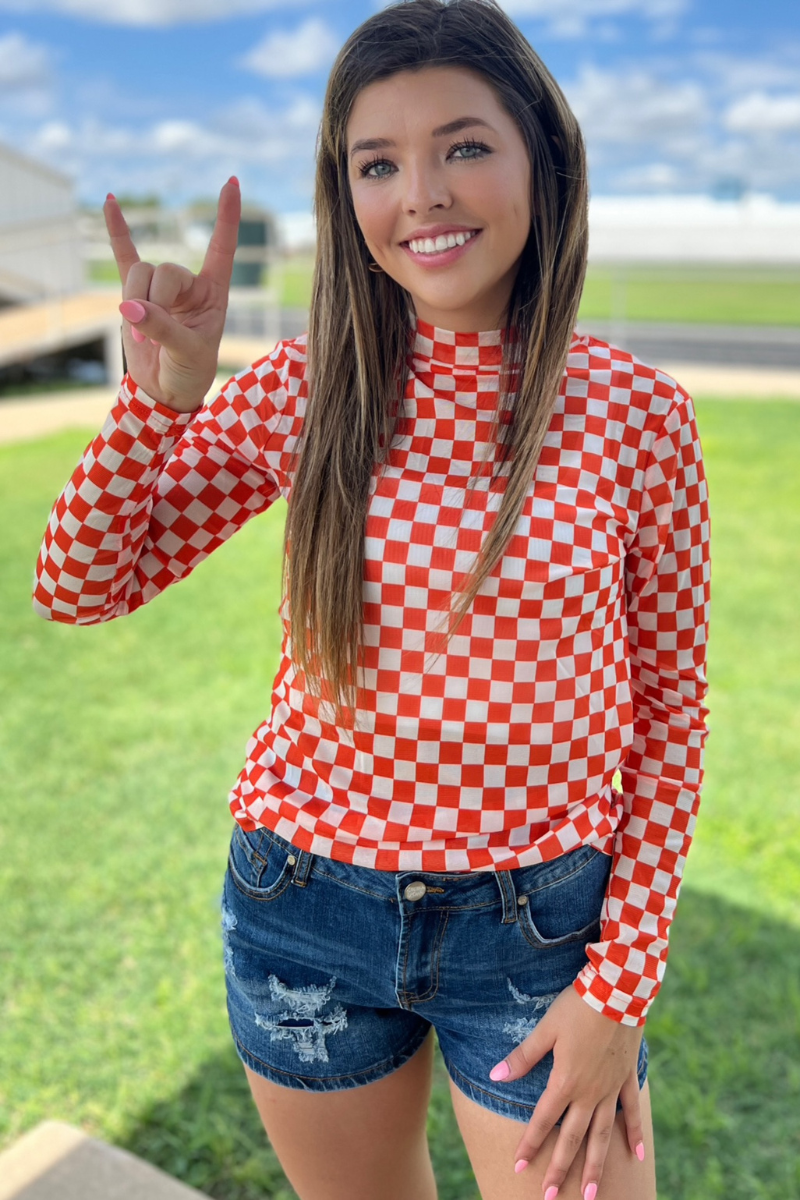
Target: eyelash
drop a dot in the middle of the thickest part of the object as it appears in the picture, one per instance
(468, 144)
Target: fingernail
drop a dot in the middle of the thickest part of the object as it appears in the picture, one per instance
(154, 342)
(520, 1165)
(591, 1191)
(132, 311)
(501, 1071)
(640, 1152)
(233, 179)
(551, 1193)
(111, 196)
(138, 336)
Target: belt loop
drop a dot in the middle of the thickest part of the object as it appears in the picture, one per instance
(302, 868)
(508, 895)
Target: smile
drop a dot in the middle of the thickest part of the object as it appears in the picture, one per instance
(438, 252)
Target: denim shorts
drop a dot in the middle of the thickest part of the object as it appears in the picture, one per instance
(335, 973)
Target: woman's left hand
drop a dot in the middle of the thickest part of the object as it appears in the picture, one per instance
(596, 1061)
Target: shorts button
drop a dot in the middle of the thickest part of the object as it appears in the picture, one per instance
(291, 860)
(415, 891)
(522, 900)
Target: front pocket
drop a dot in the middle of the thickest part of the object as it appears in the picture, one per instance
(260, 868)
(568, 909)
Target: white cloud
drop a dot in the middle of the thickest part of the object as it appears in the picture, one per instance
(570, 18)
(247, 133)
(284, 54)
(146, 12)
(23, 63)
(760, 113)
(633, 106)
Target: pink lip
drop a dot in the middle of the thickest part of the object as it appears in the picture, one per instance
(444, 257)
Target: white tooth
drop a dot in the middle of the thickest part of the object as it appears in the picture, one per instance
(451, 241)
(460, 239)
(429, 246)
(441, 242)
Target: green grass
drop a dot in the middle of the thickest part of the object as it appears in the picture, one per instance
(712, 295)
(727, 296)
(120, 742)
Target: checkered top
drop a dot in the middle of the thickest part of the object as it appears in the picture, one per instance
(583, 652)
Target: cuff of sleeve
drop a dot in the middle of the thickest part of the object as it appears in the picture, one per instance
(152, 412)
(610, 1001)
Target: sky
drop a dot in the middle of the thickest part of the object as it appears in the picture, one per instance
(171, 97)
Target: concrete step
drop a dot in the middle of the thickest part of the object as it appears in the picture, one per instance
(56, 1161)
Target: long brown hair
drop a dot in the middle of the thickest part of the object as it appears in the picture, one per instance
(359, 324)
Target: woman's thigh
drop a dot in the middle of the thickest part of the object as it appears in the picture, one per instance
(491, 1141)
(361, 1144)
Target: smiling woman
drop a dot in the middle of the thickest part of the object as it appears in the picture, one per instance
(480, 190)
(496, 597)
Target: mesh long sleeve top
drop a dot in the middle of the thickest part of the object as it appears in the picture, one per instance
(583, 653)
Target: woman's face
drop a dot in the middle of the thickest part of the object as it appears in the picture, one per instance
(422, 181)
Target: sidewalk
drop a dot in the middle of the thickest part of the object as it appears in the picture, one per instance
(24, 418)
(56, 1161)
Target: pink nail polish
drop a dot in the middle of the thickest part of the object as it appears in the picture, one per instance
(640, 1151)
(520, 1165)
(132, 310)
(591, 1191)
(137, 336)
(501, 1071)
(551, 1193)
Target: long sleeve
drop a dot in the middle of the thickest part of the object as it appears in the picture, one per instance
(667, 596)
(153, 495)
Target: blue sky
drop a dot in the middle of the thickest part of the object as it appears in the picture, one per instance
(173, 96)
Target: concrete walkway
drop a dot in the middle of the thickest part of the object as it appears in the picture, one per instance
(24, 418)
(56, 1161)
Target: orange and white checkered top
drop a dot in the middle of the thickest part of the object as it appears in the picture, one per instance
(583, 652)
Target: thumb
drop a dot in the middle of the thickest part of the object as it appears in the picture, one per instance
(521, 1060)
(149, 320)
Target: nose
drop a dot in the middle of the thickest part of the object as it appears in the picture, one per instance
(425, 187)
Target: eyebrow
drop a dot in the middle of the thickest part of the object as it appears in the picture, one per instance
(440, 131)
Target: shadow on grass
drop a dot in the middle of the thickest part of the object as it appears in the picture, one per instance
(724, 1038)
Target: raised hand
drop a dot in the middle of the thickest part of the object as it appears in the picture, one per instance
(175, 319)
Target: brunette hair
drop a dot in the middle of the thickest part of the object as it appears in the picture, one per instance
(359, 324)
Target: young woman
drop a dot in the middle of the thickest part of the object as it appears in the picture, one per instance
(496, 596)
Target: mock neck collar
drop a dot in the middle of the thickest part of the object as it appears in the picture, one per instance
(436, 350)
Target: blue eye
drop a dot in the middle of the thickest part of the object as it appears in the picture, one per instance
(376, 162)
(469, 144)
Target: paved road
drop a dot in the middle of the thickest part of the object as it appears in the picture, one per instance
(725, 345)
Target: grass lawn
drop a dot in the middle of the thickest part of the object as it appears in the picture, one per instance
(119, 743)
(716, 295)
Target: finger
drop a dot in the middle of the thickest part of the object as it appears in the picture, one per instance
(181, 342)
(527, 1054)
(631, 1100)
(120, 237)
(550, 1107)
(137, 285)
(169, 281)
(218, 262)
(600, 1133)
(570, 1140)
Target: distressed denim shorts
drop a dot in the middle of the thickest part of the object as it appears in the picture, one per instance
(335, 973)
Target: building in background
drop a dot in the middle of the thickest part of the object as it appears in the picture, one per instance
(40, 243)
(60, 288)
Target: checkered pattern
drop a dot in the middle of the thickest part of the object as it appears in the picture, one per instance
(583, 652)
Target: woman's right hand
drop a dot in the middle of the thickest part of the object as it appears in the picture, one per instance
(172, 352)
